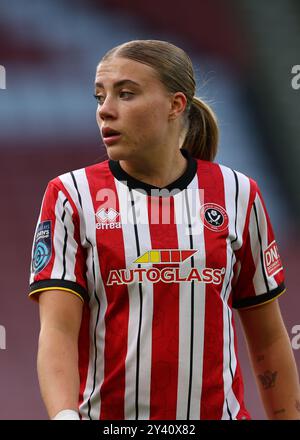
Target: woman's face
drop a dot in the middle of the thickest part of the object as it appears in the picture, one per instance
(133, 109)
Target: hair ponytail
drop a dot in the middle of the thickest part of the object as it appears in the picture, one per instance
(202, 135)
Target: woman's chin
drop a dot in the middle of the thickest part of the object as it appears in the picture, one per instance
(117, 152)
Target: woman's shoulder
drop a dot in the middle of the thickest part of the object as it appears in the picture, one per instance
(80, 174)
(234, 183)
(230, 177)
(79, 178)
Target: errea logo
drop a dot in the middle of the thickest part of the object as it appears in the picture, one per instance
(107, 219)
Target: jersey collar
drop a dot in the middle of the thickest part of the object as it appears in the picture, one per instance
(181, 183)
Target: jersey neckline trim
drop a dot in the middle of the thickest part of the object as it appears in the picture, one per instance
(179, 184)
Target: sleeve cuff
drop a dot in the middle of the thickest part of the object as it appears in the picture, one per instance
(57, 284)
(253, 301)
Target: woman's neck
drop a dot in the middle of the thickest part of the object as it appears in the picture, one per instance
(159, 170)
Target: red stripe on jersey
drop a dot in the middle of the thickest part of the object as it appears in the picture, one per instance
(80, 258)
(165, 327)
(210, 177)
(245, 286)
(83, 349)
(117, 313)
(239, 252)
(244, 255)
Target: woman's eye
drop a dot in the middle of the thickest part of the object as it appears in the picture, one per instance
(99, 99)
(126, 95)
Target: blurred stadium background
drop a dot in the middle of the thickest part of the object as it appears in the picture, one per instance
(243, 52)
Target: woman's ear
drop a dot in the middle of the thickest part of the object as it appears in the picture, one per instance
(178, 105)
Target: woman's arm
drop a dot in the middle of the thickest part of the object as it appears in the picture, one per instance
(60, 315)
(272, 360)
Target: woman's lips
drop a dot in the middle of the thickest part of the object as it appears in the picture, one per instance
(109, 135)
(110, 140)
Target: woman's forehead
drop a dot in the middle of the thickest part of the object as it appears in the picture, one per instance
(117, 68)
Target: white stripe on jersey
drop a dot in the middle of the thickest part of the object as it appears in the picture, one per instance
(258, 279)
(231, 404)
(129, 216)
(229, 360)
(97, 292)
(260, 274)
(192, 197)
(68, 183)
(65, 259)
(83, 214)
(236, 185)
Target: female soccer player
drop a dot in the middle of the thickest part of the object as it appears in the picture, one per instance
(138, 261)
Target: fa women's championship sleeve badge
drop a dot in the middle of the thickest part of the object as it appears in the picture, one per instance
(42, 247)
(214, 217)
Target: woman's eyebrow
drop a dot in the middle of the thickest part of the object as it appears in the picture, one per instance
(120, 83)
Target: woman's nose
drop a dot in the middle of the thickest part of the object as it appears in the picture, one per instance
(107, 109)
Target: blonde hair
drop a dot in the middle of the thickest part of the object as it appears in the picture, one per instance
(175, 70)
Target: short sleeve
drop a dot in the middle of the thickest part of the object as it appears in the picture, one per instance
(260, 274)
(58, 260)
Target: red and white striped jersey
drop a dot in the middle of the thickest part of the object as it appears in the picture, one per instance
(159, 271)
